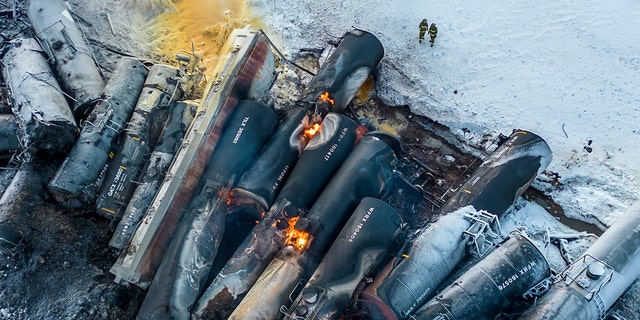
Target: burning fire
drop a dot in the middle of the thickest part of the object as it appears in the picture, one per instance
(297, 238)
(226, 194)
(312, 130)
(325, 97)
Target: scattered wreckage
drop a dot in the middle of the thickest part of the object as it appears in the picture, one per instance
(217, 218)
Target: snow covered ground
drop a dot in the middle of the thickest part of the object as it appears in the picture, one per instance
(566, 70)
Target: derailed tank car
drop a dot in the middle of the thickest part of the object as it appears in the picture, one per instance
(257, 188)
(46, 122)
(197, 234)
(491, 284)
(154, 172)
(207, 233)
(367, 172)
(361, 245)
(437, 249)
(80, 175)
(70, 54)
(591, 285)
(246, 70)
(348, 67)
(161, 88)
(309, 176)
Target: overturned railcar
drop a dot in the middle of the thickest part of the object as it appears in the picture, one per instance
(591, 285)
(154, 172)
(46, 122)
(246, 70)
(80, 175)
(270, 166)
(348, 67)
(257, 188)
(320, 159)
(187, 259)
(491, 284)
(361, 245)
(161, 88)
(367, 172)
(69, 52)
(396, 292)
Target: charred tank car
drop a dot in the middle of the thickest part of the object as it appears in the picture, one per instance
(70, 53)
(321, 158)
(81, 174)
(247, 130)
(143, 130)
(348, 67)
(245, 70)
(362, 244)
(367, 172)
(396, 292)
(154, 172)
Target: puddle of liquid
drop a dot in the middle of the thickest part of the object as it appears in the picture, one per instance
(202, 26)
(555, 210)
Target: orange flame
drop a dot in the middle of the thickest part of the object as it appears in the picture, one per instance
(297, 238)
(325, 97)
(226, 194)
(312, 130)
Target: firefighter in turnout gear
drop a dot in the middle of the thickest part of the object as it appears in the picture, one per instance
(423, 29)
(433, 33)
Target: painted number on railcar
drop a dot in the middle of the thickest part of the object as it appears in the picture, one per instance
(515, 277)
(240, 130)
(357, 229)
(333, 147)
(281, 177)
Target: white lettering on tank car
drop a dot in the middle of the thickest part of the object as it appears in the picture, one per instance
(358, 227)
(240, 130)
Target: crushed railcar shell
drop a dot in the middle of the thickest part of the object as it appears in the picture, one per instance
(46, 122)
(246, 70)
(491, 284)
(361, 245)
(309, 176)
(161, 88)
(438, 248)
(154, 172)
(189, 257)
(71, 55)
(592, 284)
(367, 172)
(348, 67)
(78, 178)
